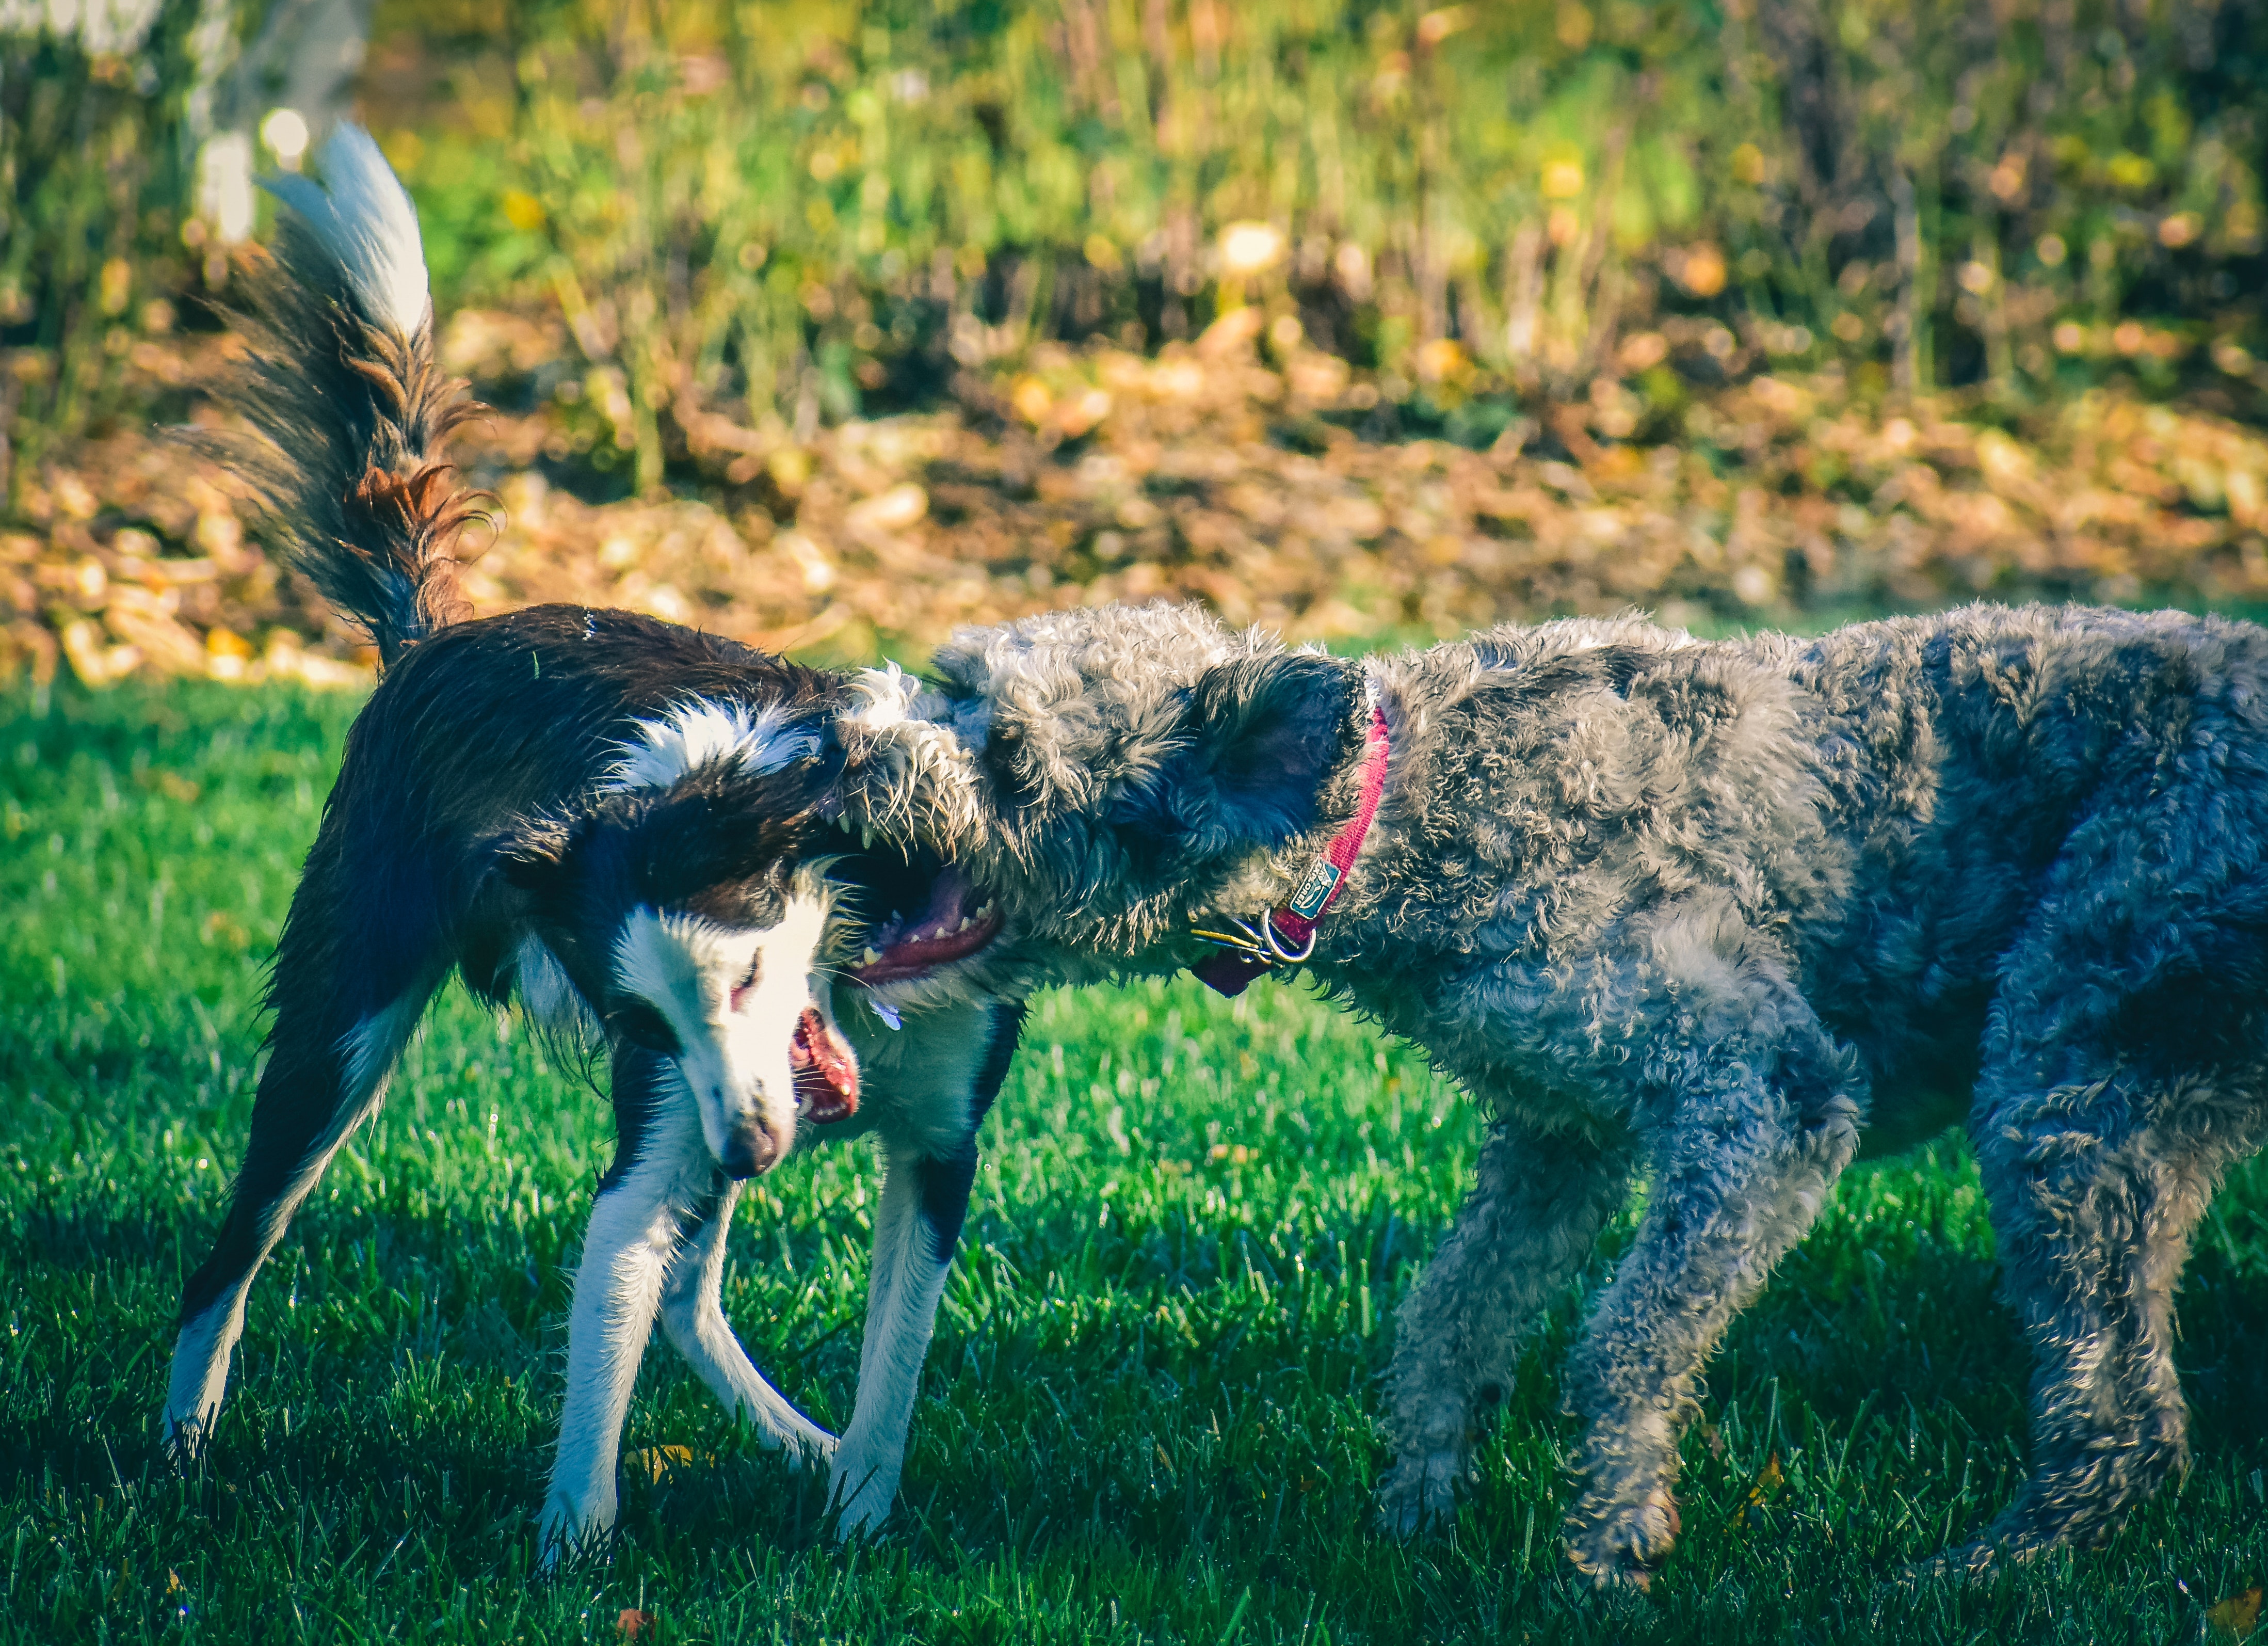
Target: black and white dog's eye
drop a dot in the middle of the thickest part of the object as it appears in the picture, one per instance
(641, 1025)
(741, 989)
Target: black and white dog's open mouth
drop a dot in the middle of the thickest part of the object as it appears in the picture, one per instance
(921, 915)
(826, 1072)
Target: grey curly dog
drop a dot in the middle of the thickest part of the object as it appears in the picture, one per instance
(1707, 914)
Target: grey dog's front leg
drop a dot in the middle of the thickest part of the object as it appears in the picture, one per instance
(908, 1281)
(1530, 1222)
(1756, 1139)
(930, 1165)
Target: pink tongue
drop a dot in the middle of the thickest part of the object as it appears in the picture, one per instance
(826, 1075)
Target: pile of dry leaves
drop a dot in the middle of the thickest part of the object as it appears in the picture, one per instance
(1245, 470)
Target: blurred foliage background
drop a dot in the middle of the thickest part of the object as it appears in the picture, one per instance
(816, 209)
(695, 238)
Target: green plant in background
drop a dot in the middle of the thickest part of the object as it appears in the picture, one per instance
(93, 180)
(752, 216)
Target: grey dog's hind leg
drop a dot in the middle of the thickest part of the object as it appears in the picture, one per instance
(1739, 1178)
(2122, 1073)
(1531, 1220)
(2096, 1186)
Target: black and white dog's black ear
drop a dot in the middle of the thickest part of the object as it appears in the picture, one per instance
(1262, 737)
(533, 854)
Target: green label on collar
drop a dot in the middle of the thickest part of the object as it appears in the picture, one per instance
(1315, 890)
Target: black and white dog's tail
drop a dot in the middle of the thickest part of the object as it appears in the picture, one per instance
(349, 412)
(348, 404)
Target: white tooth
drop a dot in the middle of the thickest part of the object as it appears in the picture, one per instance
(966, 921)
(866, 837)
(870, 957)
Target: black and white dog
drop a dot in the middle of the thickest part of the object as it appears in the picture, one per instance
(622, 824)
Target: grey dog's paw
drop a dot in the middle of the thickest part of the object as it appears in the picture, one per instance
(1970, 1563)
(1418, 1491)
(1622, 1544)
(2009, 1544)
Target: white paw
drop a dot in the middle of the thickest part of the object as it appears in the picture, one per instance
(864, 1490)
(1418, 1490)
(567, 1532)
(180, 1438)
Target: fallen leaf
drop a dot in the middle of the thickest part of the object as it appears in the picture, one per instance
(1769, 1479)
(633, 1622)
(655, 1464)
(2235, 1618)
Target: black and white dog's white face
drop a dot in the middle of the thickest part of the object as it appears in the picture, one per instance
(690, 921)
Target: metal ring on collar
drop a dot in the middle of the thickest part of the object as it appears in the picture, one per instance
(1276, 946)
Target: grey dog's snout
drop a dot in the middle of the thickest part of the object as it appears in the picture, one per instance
(748, 1149)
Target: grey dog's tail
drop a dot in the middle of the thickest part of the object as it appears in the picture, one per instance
(348, 404)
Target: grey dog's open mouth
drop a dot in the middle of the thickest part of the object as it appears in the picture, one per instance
(955, 922)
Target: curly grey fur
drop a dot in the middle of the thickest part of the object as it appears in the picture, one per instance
(1704, 911)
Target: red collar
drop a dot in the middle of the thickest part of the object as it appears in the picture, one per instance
(1286, 934)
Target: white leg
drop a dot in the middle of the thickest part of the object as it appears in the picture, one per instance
(930, 1087)
(199, 1375)
(693, 1316)
(633, 1235)
(908, 1281)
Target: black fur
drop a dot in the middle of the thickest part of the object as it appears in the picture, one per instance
(635, 1071)
(946, 1179)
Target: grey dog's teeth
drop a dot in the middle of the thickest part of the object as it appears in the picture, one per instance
(866, 837)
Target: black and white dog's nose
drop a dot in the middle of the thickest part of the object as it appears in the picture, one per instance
(748, 1149)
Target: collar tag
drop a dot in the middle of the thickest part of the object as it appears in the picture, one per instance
(1315, 888)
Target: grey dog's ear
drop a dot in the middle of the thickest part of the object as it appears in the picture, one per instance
(1260, 738)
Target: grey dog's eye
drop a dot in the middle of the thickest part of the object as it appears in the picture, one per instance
(741, 989)
(641, 1025)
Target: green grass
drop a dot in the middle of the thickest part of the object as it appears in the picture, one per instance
(1151, 1410)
